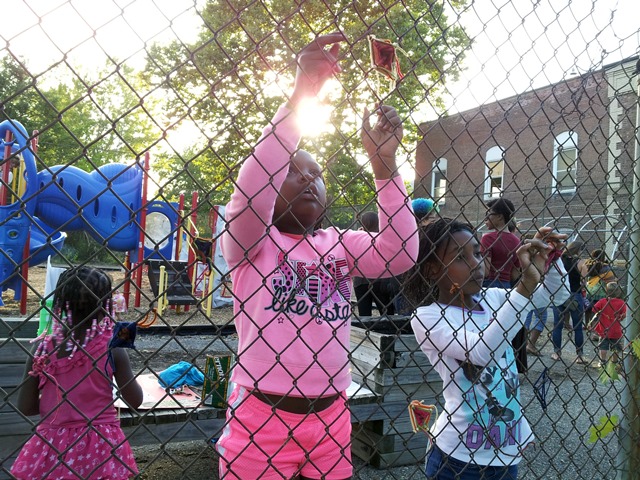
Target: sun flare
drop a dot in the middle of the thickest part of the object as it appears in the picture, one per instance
(314, 118)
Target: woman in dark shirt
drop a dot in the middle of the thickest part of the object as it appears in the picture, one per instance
(574, 306)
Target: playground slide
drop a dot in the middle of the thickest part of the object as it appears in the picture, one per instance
(44, 242)
(14, 224)
(103, 202)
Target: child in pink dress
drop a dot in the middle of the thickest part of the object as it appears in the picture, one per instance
(68, 381)
(288, 415)
(119, 304)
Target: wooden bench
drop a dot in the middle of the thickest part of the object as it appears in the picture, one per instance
(141, 427)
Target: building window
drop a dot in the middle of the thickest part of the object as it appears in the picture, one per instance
(565, 161)
(494, 172)
(439, 180)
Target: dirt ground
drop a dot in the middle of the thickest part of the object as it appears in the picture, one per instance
(143, 313)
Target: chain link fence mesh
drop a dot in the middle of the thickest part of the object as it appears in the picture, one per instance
(124, 126)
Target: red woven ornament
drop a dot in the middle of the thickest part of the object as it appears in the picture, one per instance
(420, 415)
(384, 58)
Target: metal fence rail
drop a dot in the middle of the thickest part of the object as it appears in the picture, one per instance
(124, 127)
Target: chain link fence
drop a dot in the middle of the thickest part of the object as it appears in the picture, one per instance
(124, 128)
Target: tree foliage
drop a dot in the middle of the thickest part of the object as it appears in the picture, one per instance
(79, 122)
(231, 80)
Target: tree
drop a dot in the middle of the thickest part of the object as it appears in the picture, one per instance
(233, 78)
(80, 122)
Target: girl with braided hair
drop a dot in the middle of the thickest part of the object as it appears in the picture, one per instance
(68, 381)
(465, 332)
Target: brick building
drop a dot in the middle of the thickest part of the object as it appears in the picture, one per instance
(562, 153)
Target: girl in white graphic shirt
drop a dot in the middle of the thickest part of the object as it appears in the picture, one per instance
(465, 333)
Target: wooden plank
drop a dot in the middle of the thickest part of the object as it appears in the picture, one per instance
(365, 452)
(408, 375)
(378, 443)
(381, 342)
(407, 343)
(14, 350)
(15, 327)
(10, 447)
(418, 391)
(205, 413)
(13, 423)
(411, 359)
(398, 391)
(371, 355)
(393, 443)
(377, 411)
(11, 375)
(391, 427)
(389, 376)
(379, 460)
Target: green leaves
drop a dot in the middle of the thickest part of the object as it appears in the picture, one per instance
(82, 122)
(635, 346)
(605, 426)
(609, 373)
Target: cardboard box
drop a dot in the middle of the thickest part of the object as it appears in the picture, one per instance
(217, 372)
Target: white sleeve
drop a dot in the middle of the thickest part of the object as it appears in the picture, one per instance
(436, 331)
(554, 290)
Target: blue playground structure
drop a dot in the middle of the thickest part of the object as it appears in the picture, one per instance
(37, 208)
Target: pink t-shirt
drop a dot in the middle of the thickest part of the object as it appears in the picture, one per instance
(292, 292)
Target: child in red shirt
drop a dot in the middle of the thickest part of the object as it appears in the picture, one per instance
(609, 314)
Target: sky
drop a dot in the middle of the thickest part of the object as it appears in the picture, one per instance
(44, 31)
(525, 44)
(518, 44)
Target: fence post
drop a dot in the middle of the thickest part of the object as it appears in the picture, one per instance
(629, 454)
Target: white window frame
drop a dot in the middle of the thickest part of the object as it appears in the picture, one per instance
(493, 157)
(565, 141)
(438, 177)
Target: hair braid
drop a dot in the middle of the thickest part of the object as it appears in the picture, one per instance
(85, 291)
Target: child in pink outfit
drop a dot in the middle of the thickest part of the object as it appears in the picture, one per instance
(68, 382)
(119, 304)
(288, 414)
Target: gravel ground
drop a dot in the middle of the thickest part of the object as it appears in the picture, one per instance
(576, 400)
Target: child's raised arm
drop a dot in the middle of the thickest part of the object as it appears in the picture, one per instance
(535, 260)
(129, 387)
(316, 65)
(250, 211)
(382, 140)
(397, 243)
(480, 348)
